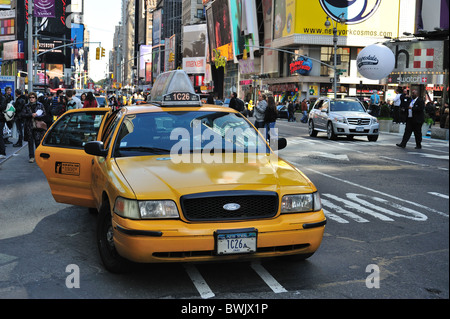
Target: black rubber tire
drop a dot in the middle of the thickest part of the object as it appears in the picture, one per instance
(111, 259)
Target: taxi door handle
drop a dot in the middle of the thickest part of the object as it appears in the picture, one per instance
(45, 155)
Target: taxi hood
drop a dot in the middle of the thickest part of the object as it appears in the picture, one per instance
(160, 177)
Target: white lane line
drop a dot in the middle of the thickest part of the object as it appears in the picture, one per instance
(268, 279)
(199, 282)
(375, 191)
(438, 195)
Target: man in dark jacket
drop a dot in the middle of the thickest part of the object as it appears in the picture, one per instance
(414, 121)
(2, 125)
(19, 105)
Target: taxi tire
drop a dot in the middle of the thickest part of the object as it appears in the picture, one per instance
(111, 259)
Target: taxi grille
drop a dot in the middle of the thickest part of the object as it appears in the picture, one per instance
(211, 206)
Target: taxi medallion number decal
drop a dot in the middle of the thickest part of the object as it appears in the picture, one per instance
(67, 168)
(181, 96)
(236, 241)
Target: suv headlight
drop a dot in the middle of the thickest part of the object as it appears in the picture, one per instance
(154, 209)
(375, 120)
(339, 119)
(301, 203)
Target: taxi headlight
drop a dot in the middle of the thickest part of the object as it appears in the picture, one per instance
(300, 203)
(158, 209)
(134, 209)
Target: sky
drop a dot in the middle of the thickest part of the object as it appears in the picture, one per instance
(100, 18)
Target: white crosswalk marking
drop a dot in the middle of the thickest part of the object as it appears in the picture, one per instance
(438, 195)
(342, 212)
(267, 277)
(199, 282)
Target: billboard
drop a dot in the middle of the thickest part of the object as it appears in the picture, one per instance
(244, 26)
(270, 56)
(156, 31)
(194, 48)
(145, 56)
(364, 18)
(219, 30)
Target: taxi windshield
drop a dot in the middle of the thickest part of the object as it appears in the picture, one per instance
(187, 132)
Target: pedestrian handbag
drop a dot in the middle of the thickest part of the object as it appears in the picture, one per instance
(9, 112)
(39, 125)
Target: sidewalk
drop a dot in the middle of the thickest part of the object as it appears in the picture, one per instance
(13, 151)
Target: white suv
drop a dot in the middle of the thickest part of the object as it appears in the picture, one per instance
(342, 117)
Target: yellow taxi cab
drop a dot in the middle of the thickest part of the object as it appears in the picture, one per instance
(178, 181)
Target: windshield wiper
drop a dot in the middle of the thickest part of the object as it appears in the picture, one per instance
(154, 150)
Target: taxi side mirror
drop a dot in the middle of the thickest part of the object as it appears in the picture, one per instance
(95, 148)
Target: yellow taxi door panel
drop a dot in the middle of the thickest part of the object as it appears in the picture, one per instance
(62, 158)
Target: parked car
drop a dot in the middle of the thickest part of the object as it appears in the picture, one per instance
(342, 117)
(161, 179)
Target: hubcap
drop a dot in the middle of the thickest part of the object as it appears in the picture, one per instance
(110, 236)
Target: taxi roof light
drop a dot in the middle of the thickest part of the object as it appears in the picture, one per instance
(174, 88)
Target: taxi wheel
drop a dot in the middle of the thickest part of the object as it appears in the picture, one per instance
(112, 261)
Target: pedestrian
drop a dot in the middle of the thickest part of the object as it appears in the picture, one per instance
(2, 125)
(416, 117)
(405, 100)
(396, 106)
(375, 104)
(32, 112)
(270, 118)
(78, 103)
(430, 109)
(260, 110)
(291, 110)
(57, 104)
(71, 103)
(90, 101)
(7, 98)
(19, 104)
(210, 99)
(304, 108)
(45, 100)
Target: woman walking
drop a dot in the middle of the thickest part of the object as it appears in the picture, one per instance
(270, 118)
(33, 115)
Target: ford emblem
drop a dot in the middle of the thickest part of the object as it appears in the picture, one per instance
(231, 206)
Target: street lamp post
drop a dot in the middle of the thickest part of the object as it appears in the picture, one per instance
(335, 40)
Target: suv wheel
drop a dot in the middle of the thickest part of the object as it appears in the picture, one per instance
(312, 132)
(330, 132)
(372, 138)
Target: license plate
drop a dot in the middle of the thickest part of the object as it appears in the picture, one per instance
(236, 241)
(359, 129)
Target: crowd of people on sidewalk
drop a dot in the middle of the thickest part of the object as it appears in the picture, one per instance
(34, 113)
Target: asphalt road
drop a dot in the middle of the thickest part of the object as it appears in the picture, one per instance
(387, 235)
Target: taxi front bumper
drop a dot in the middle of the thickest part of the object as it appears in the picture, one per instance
(178, 241)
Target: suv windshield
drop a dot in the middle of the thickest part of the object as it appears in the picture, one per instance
(346, 106)
(186, 132)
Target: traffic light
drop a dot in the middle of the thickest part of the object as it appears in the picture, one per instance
(171, 57)
(97, 53)
(103, 52)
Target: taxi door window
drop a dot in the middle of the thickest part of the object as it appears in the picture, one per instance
(109, 130)
(74, 130)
